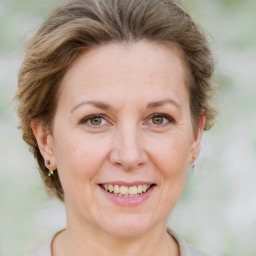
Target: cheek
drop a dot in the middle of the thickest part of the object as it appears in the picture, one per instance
(78, 159)
(171, 156)
(171, 162)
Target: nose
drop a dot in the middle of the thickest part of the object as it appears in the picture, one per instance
(127, 150)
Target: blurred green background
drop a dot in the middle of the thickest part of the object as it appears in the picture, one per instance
(217, 211)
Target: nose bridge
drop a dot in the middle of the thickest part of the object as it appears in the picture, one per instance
(128, 148)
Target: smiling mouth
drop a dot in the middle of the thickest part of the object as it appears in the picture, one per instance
(127, 191)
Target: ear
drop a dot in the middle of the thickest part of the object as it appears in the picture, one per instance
(45, 142)
(195, 149)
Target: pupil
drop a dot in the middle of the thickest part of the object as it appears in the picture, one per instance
(157, 120)
(96, 121)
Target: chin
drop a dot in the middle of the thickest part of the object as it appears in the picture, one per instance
(129, 226)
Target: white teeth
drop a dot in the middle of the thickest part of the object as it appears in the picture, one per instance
(144, 188)
(125, 191)
(133, 190)
(110, 188)
(116, 189)
(139, 189)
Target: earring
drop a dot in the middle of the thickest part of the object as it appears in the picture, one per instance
(47, 162)
(193, 166)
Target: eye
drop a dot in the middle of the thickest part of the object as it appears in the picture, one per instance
(94, 120)
(160, 119)
(97, 120)
(157, 120)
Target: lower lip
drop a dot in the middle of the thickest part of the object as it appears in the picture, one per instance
(129, 201)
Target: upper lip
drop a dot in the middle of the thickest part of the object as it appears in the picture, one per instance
(128, 184)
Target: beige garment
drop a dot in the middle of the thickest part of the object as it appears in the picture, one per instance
(186, 249)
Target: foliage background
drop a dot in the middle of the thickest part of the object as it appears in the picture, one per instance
(217, 211)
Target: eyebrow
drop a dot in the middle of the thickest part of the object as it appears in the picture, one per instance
(104, 106)
(163, 102)
(97, 104)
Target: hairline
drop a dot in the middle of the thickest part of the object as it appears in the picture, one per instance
(176, 49)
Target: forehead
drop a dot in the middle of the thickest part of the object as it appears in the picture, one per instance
(138, 68)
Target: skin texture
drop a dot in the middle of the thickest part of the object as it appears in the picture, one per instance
(126, 144)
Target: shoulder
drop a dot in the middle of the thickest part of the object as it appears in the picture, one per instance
(42, 250)
(186, 249)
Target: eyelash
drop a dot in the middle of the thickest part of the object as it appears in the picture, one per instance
(167, 117)
(90, 117)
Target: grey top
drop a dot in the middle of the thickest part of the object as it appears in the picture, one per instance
(186, 249)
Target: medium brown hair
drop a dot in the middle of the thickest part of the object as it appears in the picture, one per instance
(80, 25)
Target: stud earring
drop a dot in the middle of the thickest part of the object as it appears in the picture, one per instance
(47, 162)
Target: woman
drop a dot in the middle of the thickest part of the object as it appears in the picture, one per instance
(113, 98)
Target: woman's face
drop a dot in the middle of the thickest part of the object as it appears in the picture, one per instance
(123, 123)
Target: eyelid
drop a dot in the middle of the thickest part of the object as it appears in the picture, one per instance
(104, 117)
(169, 118)
(87, 118)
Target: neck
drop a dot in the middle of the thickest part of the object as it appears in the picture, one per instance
(77, 241)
